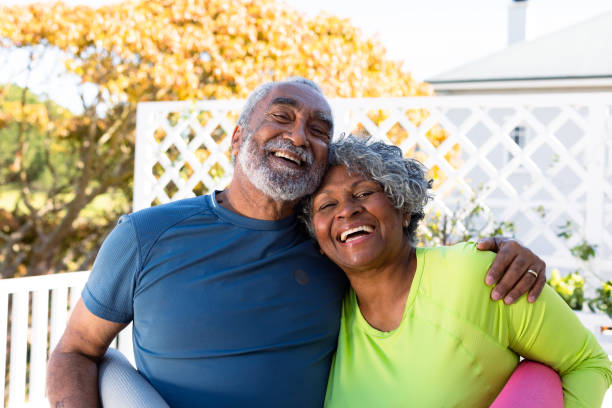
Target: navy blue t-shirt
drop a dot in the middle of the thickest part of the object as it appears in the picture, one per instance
(228, 311)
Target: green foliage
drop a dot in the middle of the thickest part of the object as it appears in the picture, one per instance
(469, 222)
(570, 288)
(584, 250)
(603, 299)
(26, 129)
(566, 230)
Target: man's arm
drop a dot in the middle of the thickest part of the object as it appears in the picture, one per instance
(72, 373)
(509, 270)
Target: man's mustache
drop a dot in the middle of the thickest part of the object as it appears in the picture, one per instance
(279, 143)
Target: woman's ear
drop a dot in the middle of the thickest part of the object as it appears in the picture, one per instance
(406, 221)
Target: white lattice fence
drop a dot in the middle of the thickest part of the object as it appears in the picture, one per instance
(537, 161)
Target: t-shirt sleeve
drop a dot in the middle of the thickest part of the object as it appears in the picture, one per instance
(548, 331)
(110, 288)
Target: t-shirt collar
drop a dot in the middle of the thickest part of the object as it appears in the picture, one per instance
(246, 222)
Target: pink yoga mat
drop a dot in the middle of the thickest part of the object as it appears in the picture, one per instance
(531, 385)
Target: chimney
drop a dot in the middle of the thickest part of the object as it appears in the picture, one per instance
(517, 21)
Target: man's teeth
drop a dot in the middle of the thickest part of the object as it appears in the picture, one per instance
(290, 158)
(365, 228)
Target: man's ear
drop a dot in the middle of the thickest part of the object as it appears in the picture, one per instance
(236, 140)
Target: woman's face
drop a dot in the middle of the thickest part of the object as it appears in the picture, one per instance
(354, 222)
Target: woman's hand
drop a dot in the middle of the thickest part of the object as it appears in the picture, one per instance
(511, 265)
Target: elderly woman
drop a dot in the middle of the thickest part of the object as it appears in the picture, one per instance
(409, 336)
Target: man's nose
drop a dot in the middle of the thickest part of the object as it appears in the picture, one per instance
(297, 134)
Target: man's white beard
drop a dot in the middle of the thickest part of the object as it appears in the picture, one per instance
(287, 185)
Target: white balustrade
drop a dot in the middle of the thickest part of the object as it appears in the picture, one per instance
(34, 330)
(36, 310)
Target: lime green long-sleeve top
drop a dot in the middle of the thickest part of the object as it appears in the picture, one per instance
(455, 347)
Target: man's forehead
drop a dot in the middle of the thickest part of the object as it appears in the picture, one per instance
(299, 96)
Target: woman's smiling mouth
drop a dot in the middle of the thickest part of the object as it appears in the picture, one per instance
(355, 233)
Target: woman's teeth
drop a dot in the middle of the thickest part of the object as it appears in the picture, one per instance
(362, 228)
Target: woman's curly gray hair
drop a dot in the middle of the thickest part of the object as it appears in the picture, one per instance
(402, 179)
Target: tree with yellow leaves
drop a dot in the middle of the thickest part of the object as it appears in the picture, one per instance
(153, 50)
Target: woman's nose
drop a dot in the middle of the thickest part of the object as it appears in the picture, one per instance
(348, 209)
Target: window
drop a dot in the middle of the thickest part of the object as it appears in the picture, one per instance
(519, 135)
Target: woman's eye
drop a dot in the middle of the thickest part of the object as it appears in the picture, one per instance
(363, 194)
(325, 206)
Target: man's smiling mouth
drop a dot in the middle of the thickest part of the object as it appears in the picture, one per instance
(289, 157)
(355, 233)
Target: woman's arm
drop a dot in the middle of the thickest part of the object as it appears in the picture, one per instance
(548, 331)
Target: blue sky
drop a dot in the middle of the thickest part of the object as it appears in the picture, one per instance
(429, 36)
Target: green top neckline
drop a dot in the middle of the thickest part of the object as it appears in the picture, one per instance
(414, 288)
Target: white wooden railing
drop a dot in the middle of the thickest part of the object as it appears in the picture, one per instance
(540, 159)
(33, 316)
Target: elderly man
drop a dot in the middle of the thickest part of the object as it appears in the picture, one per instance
(231, 302)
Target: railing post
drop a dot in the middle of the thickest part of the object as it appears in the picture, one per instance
(3, 329)
(59, 315)
(143, 159)
(19, 348)
(595, 157)
(38, 349)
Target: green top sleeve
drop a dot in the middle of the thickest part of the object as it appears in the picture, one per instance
(548, 331)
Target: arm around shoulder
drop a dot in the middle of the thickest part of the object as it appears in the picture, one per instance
(72, 373)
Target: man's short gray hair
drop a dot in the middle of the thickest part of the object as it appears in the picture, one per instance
(402, 179)
(263, 90)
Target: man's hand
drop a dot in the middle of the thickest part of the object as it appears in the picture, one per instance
(72, 373)
(511, 265)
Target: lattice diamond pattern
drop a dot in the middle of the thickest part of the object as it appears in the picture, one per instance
(562, 170)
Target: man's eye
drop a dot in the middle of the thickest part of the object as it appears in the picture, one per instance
(320, 132)
(283, 117)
